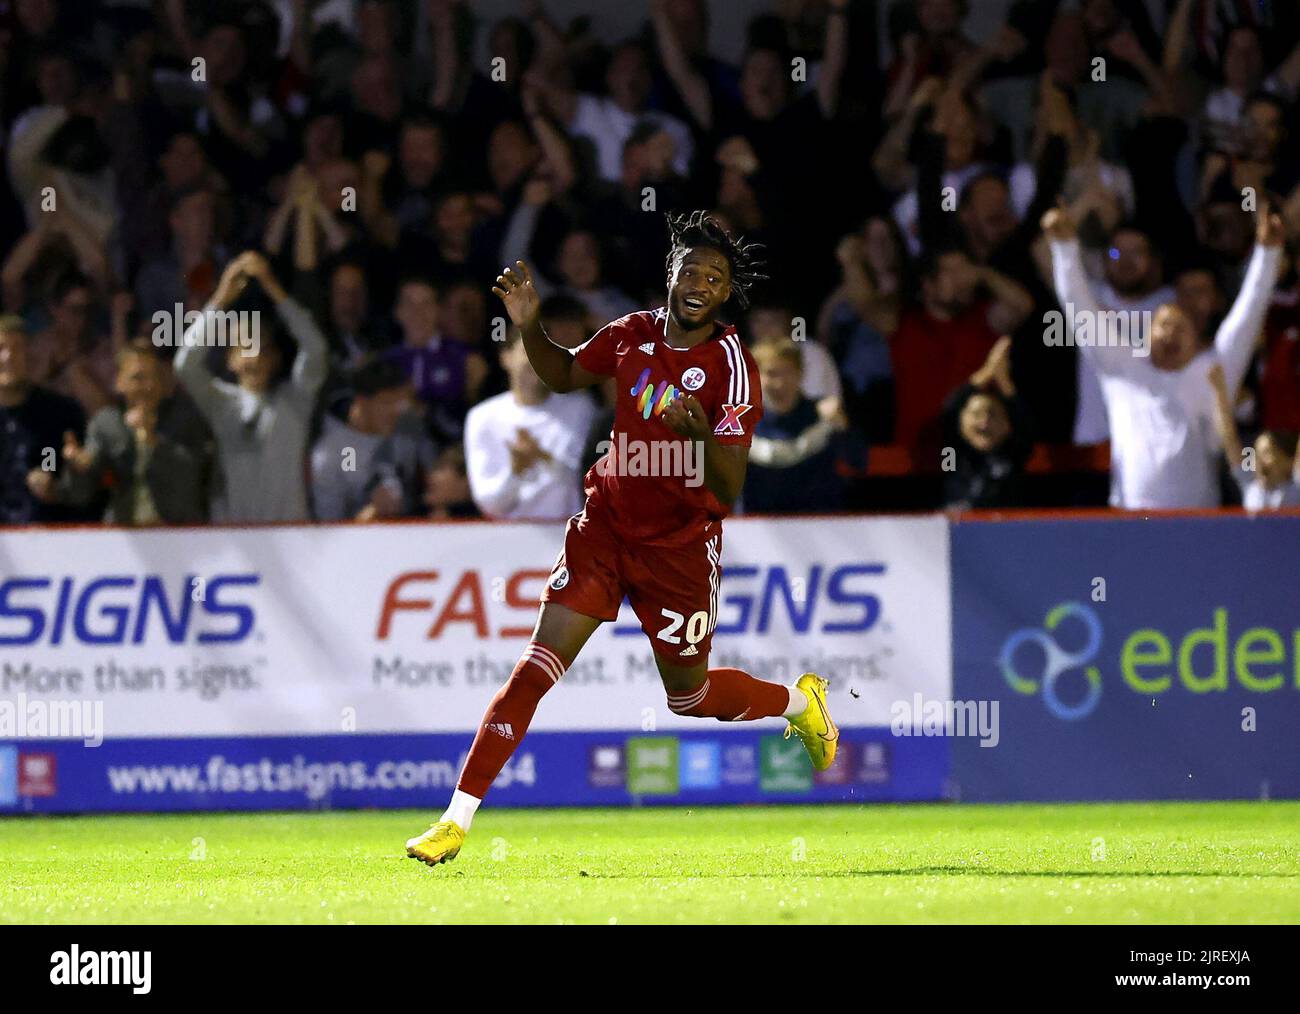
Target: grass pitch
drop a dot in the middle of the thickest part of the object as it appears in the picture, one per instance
(1111, 863)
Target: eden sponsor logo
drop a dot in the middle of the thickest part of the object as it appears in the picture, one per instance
(75, 967)
(1150, 662)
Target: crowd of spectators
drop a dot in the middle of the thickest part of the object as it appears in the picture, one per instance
(958, 230)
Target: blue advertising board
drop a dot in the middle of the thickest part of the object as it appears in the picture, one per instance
(749, 765)
(1130, 659)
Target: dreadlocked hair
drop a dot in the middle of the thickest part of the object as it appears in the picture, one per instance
(699, 228)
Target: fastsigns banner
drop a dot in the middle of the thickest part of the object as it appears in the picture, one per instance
(310, 639)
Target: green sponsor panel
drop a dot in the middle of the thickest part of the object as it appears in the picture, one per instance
(785, 766)
(652, 765)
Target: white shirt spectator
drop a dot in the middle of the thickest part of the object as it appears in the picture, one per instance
(1164, 446)
(1090, 423)
(550, 490)
(821, 378)
(607, 125)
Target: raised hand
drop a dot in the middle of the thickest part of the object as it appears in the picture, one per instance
(996, 371)
(73, 453)
(1059, 225)
(1269, 230)
(515, 288)
(233, 280)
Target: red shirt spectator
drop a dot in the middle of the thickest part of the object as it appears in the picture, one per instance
(932, 358)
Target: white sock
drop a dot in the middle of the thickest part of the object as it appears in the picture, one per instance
(461, 809)
(798, 703)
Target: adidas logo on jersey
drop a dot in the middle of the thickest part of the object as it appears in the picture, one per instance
(690, 650)
(648, 348)
(502, 729)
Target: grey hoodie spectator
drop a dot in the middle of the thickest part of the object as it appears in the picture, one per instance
(261, 426)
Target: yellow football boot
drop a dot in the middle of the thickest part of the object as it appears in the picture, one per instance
(815, 726)
(439, 844)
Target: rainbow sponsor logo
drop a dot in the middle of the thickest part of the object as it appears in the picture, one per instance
(1151, 662)
(652, 398)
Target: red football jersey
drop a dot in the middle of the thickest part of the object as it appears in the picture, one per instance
(650, 483)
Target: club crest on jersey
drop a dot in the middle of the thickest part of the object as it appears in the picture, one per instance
(730, 425)
(693, 379)
(560, 579)
(652, 397)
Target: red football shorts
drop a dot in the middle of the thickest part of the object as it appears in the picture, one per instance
(673, 589)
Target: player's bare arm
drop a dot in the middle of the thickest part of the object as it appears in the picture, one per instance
(724, 464)
(557, 368)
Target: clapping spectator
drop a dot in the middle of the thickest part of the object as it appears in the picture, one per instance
(523, 447)
(149, 452)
